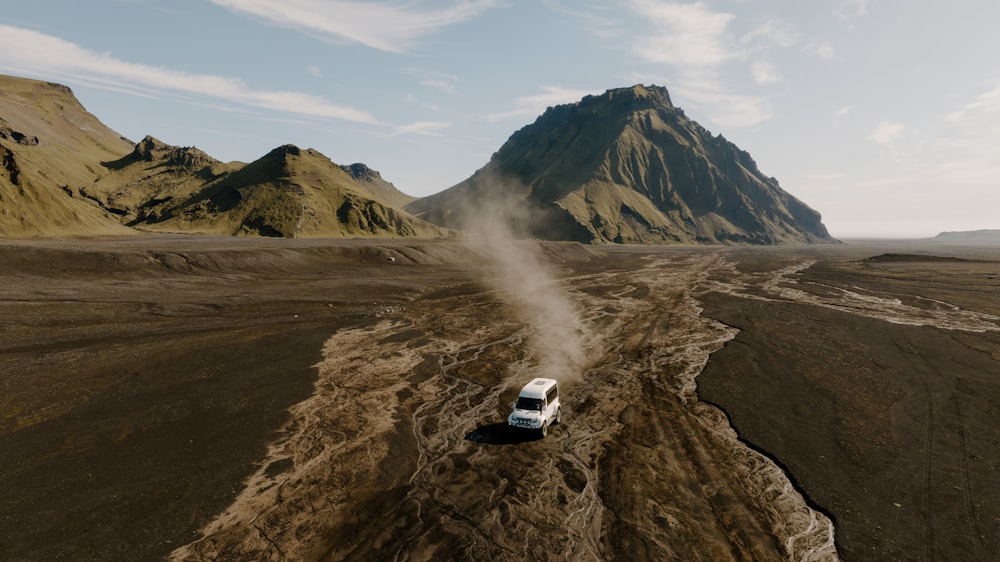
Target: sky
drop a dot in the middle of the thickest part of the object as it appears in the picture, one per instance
(883, 115)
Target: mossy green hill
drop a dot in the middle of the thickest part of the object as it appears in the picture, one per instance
(64, 173)
(49, 147)
(289, 192)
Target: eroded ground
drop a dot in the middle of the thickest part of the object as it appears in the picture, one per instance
(212, 399)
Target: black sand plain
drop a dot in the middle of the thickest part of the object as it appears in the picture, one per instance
(233, 399)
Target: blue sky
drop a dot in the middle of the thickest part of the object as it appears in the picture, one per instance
(884, 115)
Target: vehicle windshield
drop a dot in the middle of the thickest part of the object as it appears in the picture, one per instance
(524, 403)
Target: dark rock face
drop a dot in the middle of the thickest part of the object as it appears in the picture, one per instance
(10, 166)
(629, 167)
(150, 149)
(17, 136)
(361, 172)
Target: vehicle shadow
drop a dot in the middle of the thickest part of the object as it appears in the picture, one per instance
(501, 434)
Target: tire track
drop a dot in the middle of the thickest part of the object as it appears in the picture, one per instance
(780, 284)
(970, 506)
(928, 459)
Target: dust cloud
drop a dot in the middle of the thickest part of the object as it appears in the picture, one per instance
(495, 226)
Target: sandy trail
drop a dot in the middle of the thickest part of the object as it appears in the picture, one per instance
(782, 284)
(402, 453)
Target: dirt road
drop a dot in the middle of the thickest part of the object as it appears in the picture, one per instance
(393, 445)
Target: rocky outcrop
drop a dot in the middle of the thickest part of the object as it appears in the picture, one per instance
(10, 166)
(361, 172)
(379, 188)
(7, 133)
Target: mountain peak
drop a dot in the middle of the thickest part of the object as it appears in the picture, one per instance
(282, 153)
(616, 105)
(635, 97)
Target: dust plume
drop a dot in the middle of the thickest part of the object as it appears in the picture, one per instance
(497, 226)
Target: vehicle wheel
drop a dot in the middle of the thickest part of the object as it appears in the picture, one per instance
(558, 416)
(544, 430)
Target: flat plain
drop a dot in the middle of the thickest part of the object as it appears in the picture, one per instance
(201, 398)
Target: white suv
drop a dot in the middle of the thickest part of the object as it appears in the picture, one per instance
(537, 406)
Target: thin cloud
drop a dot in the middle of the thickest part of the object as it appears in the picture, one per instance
(386, 26)
(597, 18)
(422, 128)
(772, 33)
(688, 35)
(832, 176)
(886, 132)
(531, 106)
(822, 49)
(724, 107)
(968, 147)
(841, 114)
(697, 42)
(988, 102)
(441, 81)
(850, 10)
(53, 57)
(445, 86)
(418, 102)
(764, 72)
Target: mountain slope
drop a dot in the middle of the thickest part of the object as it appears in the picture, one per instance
(376, 186)
(49, 145)
(63, 173)
(629, 167)
(153, 178)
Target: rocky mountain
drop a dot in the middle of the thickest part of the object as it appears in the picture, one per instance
(66, 174)
(629, 167)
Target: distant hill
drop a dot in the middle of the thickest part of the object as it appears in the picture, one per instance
(66, 174)
(629, 167)
(969, 236)
(289, 192)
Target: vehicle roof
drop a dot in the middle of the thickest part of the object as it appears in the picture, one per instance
(537, 387)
